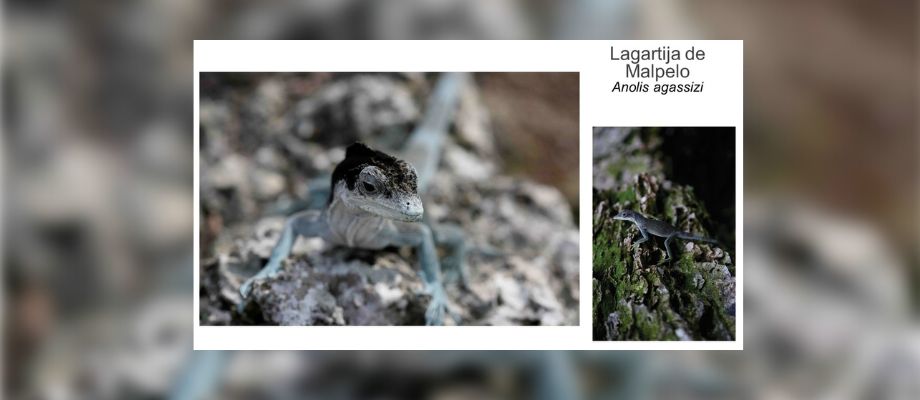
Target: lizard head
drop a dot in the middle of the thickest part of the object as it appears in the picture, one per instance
(378, 183)
(626, 215)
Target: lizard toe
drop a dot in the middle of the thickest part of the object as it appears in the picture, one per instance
(246, 288)
(434, 315)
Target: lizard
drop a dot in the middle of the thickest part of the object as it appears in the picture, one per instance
(658, 228)
(374, 202)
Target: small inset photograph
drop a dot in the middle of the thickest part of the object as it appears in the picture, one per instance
(388, 199)
(664, 234)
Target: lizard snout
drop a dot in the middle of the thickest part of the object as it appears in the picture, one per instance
(413, 210)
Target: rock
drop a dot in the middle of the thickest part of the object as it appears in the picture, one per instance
(698, 280)
(266, 184)
(269, 100)
(227, 173)
(270, 158)
(225, 187)
(473, 125)
(618, 153)
(218, 126)
(356, 108)
(466, 165)
(329, 290)
(613, 324)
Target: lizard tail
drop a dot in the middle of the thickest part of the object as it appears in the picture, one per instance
(423, 149)
(689, 236)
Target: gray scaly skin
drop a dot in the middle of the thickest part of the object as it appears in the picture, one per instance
(375, 203)
(659, 228)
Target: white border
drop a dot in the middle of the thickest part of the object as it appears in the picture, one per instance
(719, 105)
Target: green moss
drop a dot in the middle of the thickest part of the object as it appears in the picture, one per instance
(596, 297)
(626, 196)
(633, 164)
(653, 279)
(647, 324)
(686, 265)
(713, 297)
(626, 320)
(670, 318)
(675, 198)
(638, 287)
(606, 251)
(610, 263)
(710, 291)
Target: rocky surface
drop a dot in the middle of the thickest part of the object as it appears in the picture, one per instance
(636, 296)
(269, 145)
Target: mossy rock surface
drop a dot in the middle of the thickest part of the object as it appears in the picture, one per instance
(637, 294)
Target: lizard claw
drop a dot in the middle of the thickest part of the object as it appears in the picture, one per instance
(246, 288)
(271, 270)
(434, 315)
(245, 291)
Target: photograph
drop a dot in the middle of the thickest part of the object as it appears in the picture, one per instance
(664, 223)
(388, 198)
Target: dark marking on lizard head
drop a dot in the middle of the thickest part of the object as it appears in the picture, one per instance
(379, 183)
(626, 215)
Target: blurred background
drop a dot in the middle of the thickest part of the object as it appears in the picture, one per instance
(508, 180)
(97, 121)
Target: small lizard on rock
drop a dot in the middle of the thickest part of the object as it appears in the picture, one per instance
(374, 203)
(659, 228)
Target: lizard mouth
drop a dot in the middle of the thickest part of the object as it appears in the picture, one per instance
(413, 214)
(405, 211)
(412, 209)
(405, 215)
(413, 217)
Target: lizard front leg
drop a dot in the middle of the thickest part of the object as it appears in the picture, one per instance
(454, 263)
(644, 239)
(307, 224)
(667, 246)
(420, 236)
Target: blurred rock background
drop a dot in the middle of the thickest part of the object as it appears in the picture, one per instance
(269, 145)
(97, 115)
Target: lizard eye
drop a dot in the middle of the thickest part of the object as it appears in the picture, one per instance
(369, 187)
